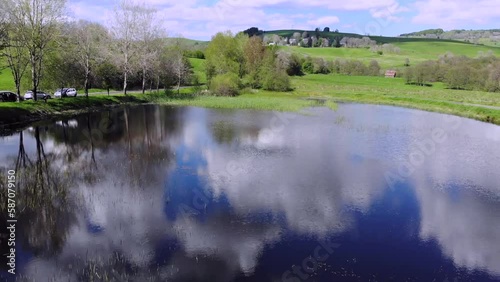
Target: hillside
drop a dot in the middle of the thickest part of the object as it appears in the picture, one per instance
(190, 43)
(332, 35)
(487, 37)
(415, 49)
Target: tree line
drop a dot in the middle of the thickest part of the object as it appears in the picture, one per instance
(43, 50)
(235, 62)
(458, 72)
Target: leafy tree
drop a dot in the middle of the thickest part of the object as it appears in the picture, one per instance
(62, 69)
(317, 32)
(12, 49)
(253, 53)
(326, 29)
(109, 75)
(336, 42)
(253, 31)
(275, 77)
(222, 55)
(36, 24)
(459, 77)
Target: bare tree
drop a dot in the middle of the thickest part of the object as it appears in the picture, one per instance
(126, 32)
(177, 62)
(89, 39)
(36, 24)
(149, 33)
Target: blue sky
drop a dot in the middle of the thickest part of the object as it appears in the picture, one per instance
(200, 19)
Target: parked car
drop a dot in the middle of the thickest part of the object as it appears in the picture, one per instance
(71, 92)
(40, 95)
(65, 92)
(7, 96)
(60, 92)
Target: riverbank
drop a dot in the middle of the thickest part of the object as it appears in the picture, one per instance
(13, 115)
(309, 90)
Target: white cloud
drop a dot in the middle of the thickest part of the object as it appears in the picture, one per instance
(389, 13)
(456, 13)
(195, 18)
(324, 21)
(332, 5)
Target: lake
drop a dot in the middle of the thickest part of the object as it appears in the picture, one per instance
(153, 193)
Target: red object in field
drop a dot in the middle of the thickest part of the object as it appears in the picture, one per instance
(390, 73)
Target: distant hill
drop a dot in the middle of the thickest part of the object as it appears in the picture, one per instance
(487, 37)
(416, 49)
(190, 43)
(333, 35)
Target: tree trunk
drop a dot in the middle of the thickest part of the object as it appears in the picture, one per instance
(125, 83)
(87, 72)
(18, 90)
(158, 84)
(33, 76)
(143, 81)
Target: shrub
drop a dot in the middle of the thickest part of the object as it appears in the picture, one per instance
(353, 67)
(374, 68)
(227, 84)
(308, 66)
(252, 80)
(294, 66)
(276, 79)
(198, 54)
(320, 66)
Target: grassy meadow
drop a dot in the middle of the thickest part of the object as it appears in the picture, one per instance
(6, 80)
(199, 69)
(330, 88)
(415, 51)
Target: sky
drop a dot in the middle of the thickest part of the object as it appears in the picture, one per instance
(201, 19)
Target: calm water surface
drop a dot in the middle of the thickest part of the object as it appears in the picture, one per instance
(151, 193)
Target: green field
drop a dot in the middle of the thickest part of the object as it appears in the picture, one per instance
(415, 51)
(190, 43)
(6, 80)
(361, 89)
(329, 88)
(199, 69)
